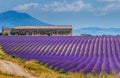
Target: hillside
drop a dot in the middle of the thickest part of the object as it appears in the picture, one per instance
(13, 18)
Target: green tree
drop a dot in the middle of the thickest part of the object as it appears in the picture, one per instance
(49, 33)
(5, 33)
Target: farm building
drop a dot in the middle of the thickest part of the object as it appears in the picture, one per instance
(39, 30)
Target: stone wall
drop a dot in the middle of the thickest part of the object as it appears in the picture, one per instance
(42, 32)
(62, 31)
(6, 30)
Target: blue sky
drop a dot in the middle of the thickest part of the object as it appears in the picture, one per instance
(79, 13)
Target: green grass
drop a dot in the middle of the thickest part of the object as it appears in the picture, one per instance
(41, 70)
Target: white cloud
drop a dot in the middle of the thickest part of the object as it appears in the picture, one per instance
(110, 7)
(56, 6)
(65, 6)
(26, 6)
(108, 0)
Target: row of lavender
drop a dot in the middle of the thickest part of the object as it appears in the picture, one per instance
(97, 54)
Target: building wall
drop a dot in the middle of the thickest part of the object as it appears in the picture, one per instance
(6, 30)
(39, 31)
(42, 31)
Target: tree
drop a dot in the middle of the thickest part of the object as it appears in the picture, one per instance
(13, 34)
(49, 33)
(86, 34)
(0, 33)
(5, 33)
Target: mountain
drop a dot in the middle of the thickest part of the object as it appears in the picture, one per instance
(92, 28)
(97, 31)
(14, 18)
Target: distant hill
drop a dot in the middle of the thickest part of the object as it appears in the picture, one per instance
(14, 18)
(97, 31)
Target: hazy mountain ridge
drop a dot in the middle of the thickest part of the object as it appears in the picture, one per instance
(97, 31)
(14, 18)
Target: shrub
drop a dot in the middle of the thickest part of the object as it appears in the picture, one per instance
(49, 33)
(62, 71)
(14, 56)
(5, 33)
(0, 33)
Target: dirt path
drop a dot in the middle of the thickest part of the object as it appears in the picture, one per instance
(13, 69)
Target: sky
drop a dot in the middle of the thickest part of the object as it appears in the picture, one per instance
(78, 13)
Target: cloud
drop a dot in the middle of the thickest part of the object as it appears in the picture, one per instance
(108, 0)
(56, 6)
(109, 8)
(65, 6)
(112, 6)
(26, 6)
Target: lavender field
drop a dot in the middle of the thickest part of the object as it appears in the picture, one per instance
(87, 54)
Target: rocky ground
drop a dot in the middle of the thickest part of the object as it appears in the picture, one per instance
(13, 69)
